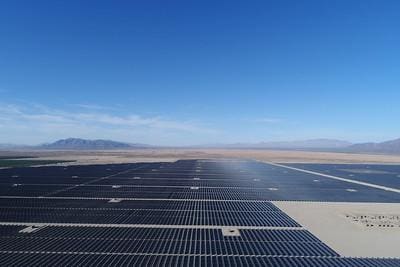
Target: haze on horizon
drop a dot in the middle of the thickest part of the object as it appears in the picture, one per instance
(185, 73)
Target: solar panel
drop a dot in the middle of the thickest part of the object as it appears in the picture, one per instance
(185, 213)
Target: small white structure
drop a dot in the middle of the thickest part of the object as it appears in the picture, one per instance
(230, 232)
(30, 229)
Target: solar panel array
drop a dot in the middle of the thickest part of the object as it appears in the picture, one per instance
(386, 175)
(185, 213)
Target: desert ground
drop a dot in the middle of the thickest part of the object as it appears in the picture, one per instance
(148, 155)
(351, 229)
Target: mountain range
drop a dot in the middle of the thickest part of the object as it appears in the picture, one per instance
(301, 144)
(392, 146)
(78, 143)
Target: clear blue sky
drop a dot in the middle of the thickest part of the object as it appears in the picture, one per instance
(193, 72)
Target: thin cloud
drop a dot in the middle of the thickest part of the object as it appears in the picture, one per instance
(266, 120)
(93, 107)
(41, 123)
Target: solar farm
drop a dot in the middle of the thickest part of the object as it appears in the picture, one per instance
(204, 212)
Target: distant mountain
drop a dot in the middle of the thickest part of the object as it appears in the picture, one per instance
(13, 146)
(388, 147)
(8, 146)
(392, 146)
(302, 144)
(81, 144)
(312, 144)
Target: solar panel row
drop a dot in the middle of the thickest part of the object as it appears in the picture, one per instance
(159, 246)
(164, 217)
(73, 259)
(201, 234)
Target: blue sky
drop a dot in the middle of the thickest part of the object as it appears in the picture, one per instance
(195, 72)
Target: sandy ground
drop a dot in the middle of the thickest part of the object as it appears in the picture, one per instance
(309, 156)
(145, 155)
(111, 156)
(328, 221)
